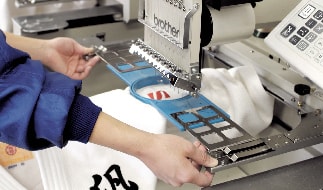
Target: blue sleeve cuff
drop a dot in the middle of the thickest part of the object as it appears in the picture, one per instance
(81, 120)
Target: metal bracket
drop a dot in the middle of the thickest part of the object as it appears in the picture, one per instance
(309, 132)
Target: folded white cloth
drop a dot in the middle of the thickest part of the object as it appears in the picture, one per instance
(239, 92)
(78, 166)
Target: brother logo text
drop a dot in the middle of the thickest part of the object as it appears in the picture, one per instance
(166, 26)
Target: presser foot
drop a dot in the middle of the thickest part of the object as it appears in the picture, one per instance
(189, 81)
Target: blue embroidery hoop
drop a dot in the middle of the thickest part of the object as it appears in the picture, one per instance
(185, 112)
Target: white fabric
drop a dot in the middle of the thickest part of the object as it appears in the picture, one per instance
(7, 182)
(52, 169)
(72, 167)
(27, 174)
(239, 92)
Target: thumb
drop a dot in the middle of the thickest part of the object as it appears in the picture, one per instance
(201, 157)
(85, 50)
(82, 50)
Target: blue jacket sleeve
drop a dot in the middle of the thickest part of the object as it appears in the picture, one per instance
(38, 108)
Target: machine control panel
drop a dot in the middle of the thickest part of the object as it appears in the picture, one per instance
(299, 39)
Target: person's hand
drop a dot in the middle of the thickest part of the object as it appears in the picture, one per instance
(177, 161)
(171, 158)
(65, 55)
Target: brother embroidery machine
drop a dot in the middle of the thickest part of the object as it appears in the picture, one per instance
(182, 36)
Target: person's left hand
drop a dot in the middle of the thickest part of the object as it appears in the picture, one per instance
(176, 161)
(66, 56)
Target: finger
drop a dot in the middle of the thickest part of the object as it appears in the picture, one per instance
(93, 61)
(80, 68)
(198, 145)
(84, 74)
(82, 50)
(87, 50)
(87, 71)
(203, 179)
(197, 177)
(196, 165)
(85, 63)
(201, 157)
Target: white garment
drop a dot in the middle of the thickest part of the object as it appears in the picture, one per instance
(239, 92)
(8, 182)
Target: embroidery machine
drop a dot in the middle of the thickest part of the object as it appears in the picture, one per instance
(217, 34)
(178, 45)
(227, 34)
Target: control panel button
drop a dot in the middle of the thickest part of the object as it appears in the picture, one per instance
(288, 30)
(319, 43)
(303, 31)
(318, 58)
(311, 37)
(307, 11)
(318, 29)
(312, 52)
(311, 23)
(302, 45)
(318, 15)
(294, 40)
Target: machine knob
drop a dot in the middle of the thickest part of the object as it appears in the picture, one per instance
(261, 32)
(302, 89)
